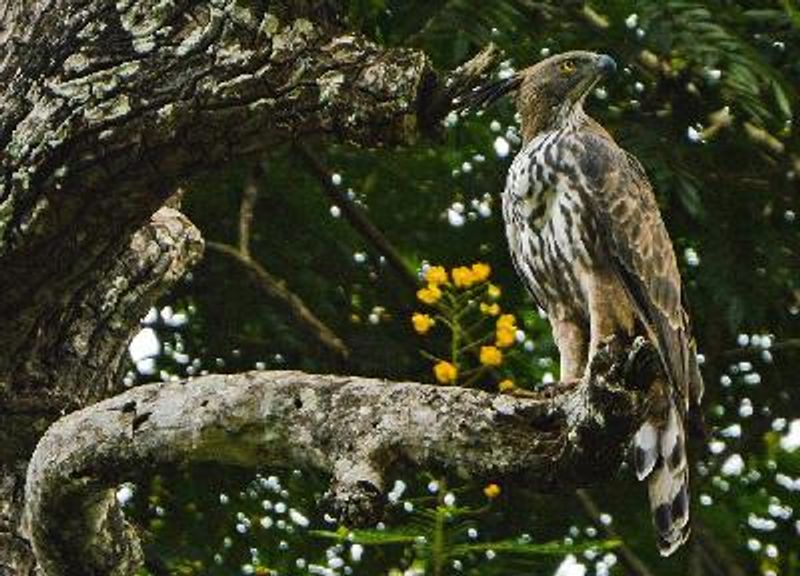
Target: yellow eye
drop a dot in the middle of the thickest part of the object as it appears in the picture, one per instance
(567, 66)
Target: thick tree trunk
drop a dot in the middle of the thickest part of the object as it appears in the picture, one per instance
(109, 105)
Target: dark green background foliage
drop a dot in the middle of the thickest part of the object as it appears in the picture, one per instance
(729, 194)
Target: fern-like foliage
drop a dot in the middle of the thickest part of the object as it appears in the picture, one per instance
(438, 538)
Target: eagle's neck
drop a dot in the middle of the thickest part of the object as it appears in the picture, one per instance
(567, 118)
(562, 117)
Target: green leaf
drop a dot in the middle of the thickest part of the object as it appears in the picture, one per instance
(369, 537)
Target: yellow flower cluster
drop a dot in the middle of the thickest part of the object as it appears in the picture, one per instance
(506, 385)
(492, 309)
(436, 275)
(506, 331)
(445, 372)
(464, 277)
(430, 295)
(422, 322)
(491, 491)
(491, 356)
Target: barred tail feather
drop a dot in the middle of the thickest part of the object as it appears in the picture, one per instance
(660, 456)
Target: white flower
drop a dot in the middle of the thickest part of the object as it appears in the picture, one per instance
(151, 317)
(501, 147)
(298, 518)
(693, 134)
(124, 494)
(733, 466)
(144, 345)
(336, 211)
(791, 441)
(732, 431)
(356, 552)
(146, 367)
(691, 257)
(454, 218)
(716, 446)
(397, 491)
(336, 179)
(632, 21)
(761, 524)
(570, 567)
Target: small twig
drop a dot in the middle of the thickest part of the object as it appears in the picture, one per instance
(249, 197)
(275, 288)
(628, 557)
(357, 219)
(695, 560)
(790, 344)
(716, 555)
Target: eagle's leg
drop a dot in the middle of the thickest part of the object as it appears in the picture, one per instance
(572, 341)
(611, 312)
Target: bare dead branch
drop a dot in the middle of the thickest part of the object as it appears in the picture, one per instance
(247, 206)
(276, 289)
(356, 217)
(633, 564)
(716, 556)
(358, 430)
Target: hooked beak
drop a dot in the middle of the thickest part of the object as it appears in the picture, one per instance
(606, 64)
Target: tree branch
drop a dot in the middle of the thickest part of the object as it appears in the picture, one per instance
(633, 564)
(358, 430)
(357, 218)
(109, 106)
(274, 288)
(246, 208)
(83, 345)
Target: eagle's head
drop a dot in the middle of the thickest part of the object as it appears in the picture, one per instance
(550, 90)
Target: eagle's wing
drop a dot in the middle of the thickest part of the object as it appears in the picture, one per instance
(632, 233)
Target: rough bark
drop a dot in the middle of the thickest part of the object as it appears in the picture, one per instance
(120, 101)
(88, 341)
(355, 429)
